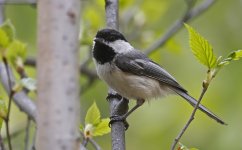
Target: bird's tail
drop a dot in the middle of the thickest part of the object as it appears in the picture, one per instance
(193, 102)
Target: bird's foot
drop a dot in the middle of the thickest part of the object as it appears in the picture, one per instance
(117, 118)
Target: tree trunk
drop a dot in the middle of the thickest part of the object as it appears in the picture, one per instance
(57, 75)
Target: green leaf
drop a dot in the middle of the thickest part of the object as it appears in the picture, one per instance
(4, 40)
(29, 83)
(3, 110)
(16, 53)
(102, 128)
(201, 48)
(7, 35)
(93, 115)
(9, 29)
(235, 55)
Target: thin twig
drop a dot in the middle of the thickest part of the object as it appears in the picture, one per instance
(1, 143)
(82, 147)
(189, 121)
(92, 141)
(27, 132)
(33, 141)
(95, 145)
(85, 142)
(24, 103)
(191, 13)
(8, 115)
(9, 102)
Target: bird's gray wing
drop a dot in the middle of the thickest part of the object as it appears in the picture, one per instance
(137, 63)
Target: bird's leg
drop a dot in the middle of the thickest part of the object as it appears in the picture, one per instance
(139, 103)
(122, 118)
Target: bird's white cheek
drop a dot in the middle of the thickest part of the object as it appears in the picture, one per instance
(121, 46)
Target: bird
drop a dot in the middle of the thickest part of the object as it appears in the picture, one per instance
(133, 75)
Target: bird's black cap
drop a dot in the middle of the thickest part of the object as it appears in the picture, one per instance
(110, 35)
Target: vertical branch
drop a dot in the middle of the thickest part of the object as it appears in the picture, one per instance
(116, 107)
(58, 79)
(112, 8)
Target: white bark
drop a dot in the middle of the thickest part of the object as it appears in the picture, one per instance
(57, 68)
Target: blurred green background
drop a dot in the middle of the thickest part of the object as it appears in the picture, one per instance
(157, 123)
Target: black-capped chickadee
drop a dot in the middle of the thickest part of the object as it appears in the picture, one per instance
(132, 74)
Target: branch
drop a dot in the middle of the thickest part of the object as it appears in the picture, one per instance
(111, 7)
(116, 107)
(1, 143)
(6, 120)
(92, 141)
(190, 14)
(27, 133)
(95, 145)
(189, 121)
(24, 103)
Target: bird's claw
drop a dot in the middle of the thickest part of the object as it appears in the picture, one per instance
(117, 118)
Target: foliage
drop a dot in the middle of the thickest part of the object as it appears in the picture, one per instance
(7, 34)
(203, 51)
(11, 48)
(16, 53)
(9, 29)
(235, 55)
(4, 40)
(94, 125)
(201, 48)
(224, 31)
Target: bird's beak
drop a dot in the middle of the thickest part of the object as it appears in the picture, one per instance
(98, 40)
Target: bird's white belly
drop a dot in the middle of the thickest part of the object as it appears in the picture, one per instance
(131, 86)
